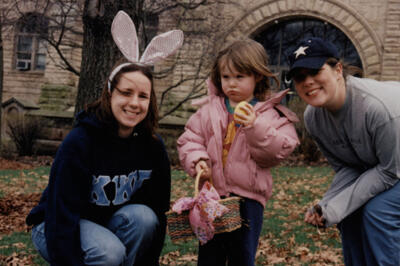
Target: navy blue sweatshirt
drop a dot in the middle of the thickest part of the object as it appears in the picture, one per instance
(95, 173)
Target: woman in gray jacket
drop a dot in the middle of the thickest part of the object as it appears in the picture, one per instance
(356, 124)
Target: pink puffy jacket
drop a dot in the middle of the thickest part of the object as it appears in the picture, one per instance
(254, 150)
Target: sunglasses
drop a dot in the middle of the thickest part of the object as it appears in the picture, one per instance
(300, 75)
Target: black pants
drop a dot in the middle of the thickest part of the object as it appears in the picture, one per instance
(238, 247)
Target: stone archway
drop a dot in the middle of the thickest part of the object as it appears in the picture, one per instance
(335, 12)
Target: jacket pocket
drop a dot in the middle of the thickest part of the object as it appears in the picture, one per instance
(263, 181)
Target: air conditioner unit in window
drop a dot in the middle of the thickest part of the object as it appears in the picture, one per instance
(23, 64)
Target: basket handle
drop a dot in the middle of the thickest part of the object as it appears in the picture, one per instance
(197, 181)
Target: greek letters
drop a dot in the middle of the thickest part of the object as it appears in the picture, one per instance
(125, 187)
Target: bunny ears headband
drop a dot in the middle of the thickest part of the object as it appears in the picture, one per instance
(124, 34)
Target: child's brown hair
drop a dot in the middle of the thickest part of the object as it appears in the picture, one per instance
(249, 57)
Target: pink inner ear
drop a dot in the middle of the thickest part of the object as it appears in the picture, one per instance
(124, 34)
(162, 46)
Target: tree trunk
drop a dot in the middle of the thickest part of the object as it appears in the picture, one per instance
(1, 76)
(99, 53)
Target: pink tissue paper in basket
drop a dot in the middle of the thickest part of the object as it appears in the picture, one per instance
(203, 209)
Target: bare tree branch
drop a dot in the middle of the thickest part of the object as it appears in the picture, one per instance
(186, 73)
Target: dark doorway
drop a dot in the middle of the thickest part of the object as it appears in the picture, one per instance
(280, 38)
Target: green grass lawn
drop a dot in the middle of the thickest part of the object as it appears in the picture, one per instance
(285, 238)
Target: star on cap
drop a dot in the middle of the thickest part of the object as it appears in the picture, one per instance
(301, 51)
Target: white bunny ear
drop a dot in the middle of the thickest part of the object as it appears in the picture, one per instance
(162, 46)
(124, 34)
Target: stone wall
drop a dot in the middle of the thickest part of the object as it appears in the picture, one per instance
(368, 41)
(391, 41)
(372, 26)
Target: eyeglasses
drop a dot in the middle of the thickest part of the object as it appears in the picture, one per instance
(301, 75)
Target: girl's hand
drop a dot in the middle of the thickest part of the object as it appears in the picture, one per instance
(314, 216)
(202, 165)
(244, 114)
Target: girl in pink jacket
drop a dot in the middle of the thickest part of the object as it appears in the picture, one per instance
(237, 147)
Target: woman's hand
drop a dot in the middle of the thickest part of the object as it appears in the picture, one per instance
(202, 165)
(314, 216)
(244, 114)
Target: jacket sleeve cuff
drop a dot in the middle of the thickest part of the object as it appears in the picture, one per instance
(192, 159)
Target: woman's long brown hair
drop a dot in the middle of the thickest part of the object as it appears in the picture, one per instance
(102, 106)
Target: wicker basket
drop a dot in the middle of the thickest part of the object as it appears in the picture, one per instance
(179, 226)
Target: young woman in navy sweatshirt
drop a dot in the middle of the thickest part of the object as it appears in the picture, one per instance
(109, 185)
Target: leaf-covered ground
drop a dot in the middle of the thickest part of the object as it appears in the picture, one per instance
(285, 238)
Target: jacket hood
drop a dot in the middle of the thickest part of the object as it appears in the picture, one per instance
(274, 99)
(211, 90)
(88, 119)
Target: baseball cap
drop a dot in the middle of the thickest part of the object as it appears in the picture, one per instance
(311, 53)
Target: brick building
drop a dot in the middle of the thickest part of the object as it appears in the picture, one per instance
(373, 27)
(367, 30)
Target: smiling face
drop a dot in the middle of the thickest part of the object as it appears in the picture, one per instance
(321, 88)
(237, 86)
(130, 101)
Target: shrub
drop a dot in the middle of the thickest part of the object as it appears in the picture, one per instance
(24, 131)
(307, 148)
(170, 136)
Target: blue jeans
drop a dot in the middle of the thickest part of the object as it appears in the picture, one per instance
(128, 234)
(238, 247)
(371, 235)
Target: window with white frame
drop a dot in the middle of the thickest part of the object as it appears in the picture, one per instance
(31, 47)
